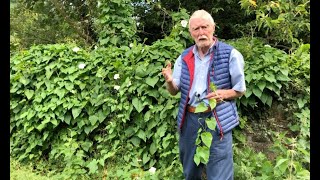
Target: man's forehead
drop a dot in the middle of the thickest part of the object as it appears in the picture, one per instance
(199, 22)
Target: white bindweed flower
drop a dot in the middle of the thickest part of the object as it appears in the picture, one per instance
(138, 23)
(152, 170)
(130, 45)
(116, 87)
(139, 160)
(116, 76)
(75, 49)
(95, 47)
(82, 65)
(99, 3)
(267, 45)
(184, 23)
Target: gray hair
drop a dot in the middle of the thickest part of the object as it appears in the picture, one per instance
(202, 14)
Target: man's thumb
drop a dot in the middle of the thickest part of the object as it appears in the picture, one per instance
(168, 63)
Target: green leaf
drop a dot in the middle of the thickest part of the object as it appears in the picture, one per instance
(196, 159)
(109, 154)
(264, 98)
(129, 131)
(29, 93)
(257, 92)
(303, 173)
(285, 72)
(30, 114)
(206, 138)
(114, 40)
(72, 77)
(201, 108)
(282, 77)
(93, 166)
(101, 72)
(248, 78)
(153, 148)
(269, 101)
(301, 102)
(151, 124)
(41, 126)
(30, 129)
(72, 69)
(142, 135)
(282, 165)
(161, 130)
(43, 95)
(82, 86)
(54, 122)
(102, 115)
(76, 112)
(280, 161)
(152, 81)
(80, 124)
(69, 86)
(270, 78)
(198, 141)
(211, 123)
(212, 103)
(45, 135)
(261, 85)
(73, 133)
(86, 145)
(60, 92)
(166, 141)
(248, 92)
(147, 116)
(213, 87)
(24, 80)
(204, 153)
(104, 41)
(135, 141)
(38, 84)
(93, 119)
(87, 129)
(141, 71)
(145, 158)
(67, 119)
(138, 105)
(48, 73)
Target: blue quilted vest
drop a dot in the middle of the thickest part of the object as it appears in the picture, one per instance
(225, 112)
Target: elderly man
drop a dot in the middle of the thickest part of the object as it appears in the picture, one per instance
(208, 61)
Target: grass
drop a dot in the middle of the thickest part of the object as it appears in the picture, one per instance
(24, 172)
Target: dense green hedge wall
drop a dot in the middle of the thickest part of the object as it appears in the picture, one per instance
(79, 110)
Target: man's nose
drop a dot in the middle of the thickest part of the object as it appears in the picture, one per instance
(201, 30)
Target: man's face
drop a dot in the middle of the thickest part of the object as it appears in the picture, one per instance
(201, 31)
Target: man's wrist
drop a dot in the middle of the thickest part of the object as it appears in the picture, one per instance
(170, 80)
(171, 87)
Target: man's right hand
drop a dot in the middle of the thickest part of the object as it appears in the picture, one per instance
(167, 73)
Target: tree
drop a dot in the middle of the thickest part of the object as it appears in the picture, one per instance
(49, 22)
(284, 24)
